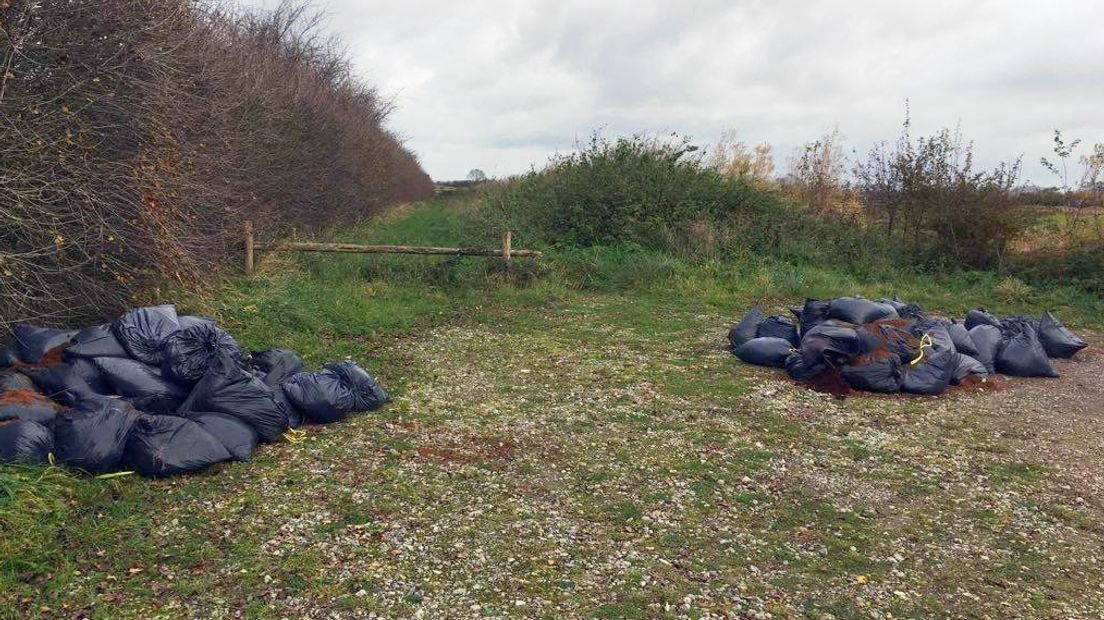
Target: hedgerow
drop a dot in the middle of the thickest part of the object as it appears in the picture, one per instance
(136, 136)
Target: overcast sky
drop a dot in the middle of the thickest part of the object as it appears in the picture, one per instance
(503, 84)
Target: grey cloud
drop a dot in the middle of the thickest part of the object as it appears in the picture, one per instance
(501, 85)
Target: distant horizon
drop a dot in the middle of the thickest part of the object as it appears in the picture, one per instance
(503, 85)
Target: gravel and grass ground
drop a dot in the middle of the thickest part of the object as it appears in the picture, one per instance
(558, 450)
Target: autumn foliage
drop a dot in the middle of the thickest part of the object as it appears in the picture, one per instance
(137, 135)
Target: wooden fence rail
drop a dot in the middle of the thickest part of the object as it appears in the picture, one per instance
(507, 253)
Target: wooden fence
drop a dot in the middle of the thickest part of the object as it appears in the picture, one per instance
(506, 252)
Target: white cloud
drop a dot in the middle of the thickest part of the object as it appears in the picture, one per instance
(501, 85)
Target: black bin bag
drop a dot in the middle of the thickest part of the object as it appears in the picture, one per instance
(859, 311)
(813, 313)
(914, 312)
(141, 384)
(188, 321)
(11, 380)
(875, 373)
(274, 367)
(277, 365)
(799, 370)
(33, 343)
(229, 388)
(896, 303)
(747, 328)
(320, 396)
(960, 336)
(779, 327)
(935, 331)
(981, 316)
(966, 367)
(160, 446)
(143, 332)
(765, 352)
(71, 382)
(880, 338)
(89, 373)
(25, 442)
(932, 374)
(1021, 354)
(987, 340)
(239, 439)
(367, 394)
(295, 418)
(189, 352)
(1058, 341)
(27, 405)
(97, 341)
(8, 356)
(830, 342)
(93, 436)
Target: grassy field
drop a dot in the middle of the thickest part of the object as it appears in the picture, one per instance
(1060, 228)
(570, 440)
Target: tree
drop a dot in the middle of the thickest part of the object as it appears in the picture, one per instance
(1064, 152)
(477, 176)
(1093, 178)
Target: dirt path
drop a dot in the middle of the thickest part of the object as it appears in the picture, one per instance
(1058, 423)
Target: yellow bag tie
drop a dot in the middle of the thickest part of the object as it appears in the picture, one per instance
(118, 474)
(926, 341)
(294, 435)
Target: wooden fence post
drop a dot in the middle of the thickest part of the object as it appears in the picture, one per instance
(248, 247)
(507, 250)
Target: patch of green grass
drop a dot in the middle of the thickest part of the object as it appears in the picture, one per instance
(620, 611)
(858, 452)
(627, 411)
(1015, 472)
(626, 511)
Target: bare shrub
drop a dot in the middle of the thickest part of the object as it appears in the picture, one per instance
(1092, 178)
(926, 196)
(816, 178)
(732, 158)
(136, 136)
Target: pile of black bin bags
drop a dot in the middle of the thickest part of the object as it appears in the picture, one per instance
(890, 346)
(160, 394)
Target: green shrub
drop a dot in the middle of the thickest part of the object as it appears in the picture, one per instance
(1081, 266)
(640, 190)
